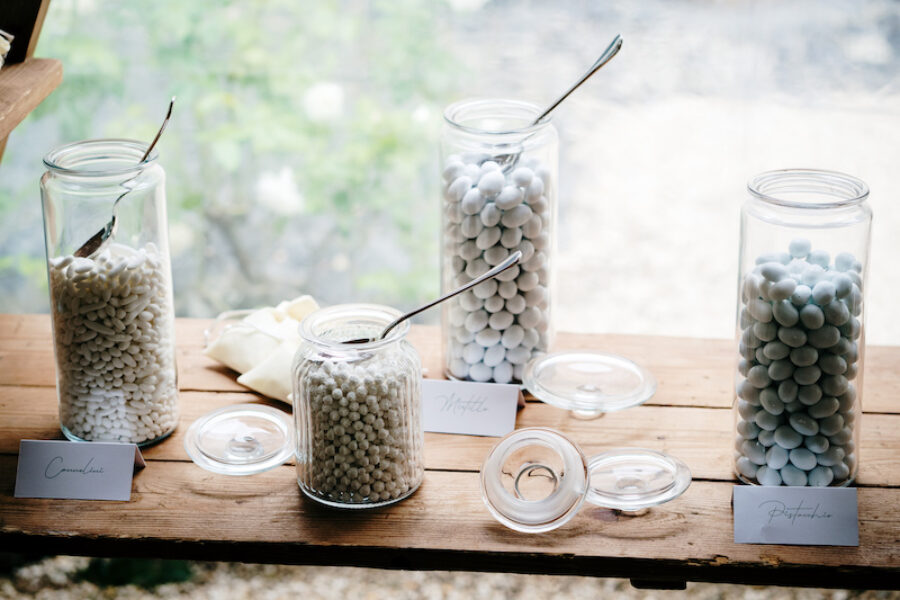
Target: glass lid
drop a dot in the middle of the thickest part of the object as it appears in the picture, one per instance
(243, 439)
(635, 478)
(588, 383)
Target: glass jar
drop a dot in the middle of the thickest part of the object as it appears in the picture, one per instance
(111, 311)
(499, 177)
(357, 408)
(801, 335)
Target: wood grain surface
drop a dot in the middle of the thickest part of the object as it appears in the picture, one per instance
(179, 510)
(22, 87)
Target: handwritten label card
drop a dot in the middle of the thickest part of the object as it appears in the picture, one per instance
(469, 408)
(806, 516)
(76, 470)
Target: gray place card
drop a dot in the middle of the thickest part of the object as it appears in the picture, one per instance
(808, 516)
(76, 470)
(469, 408)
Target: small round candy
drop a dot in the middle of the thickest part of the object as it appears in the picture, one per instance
(494, 304)
(784, 313)
(773, 271)
(513, 336)
(744, 366)
(530, 317)
(807, 375)
(767, 420)
(836, 312)
(821, 476)
(787, 390)
(776, 457)
(527, 250)
(750, 289)
(488, 237)
(459, 368)
(516, 305)
(488, 337)
(804, 424)
(799, 247)
(476, 321)
(831, 456)
(783, 289)
(802, 458)
(834, 385)
(801, 295)
(812, 275)
(469, 301)
(485, 289)
(766, 438)
(841, 471)
(768, 476)
(823, 293)
(503, 373)
(748, 429)
(832, 364)
(473, 353)
(825, 407)
(809, 394)
(491, 183)
(494, 355)
(746, 467)
(472, 202)
(780, 370)
(522, 176)
(847, 400)
(765, 331)
(831, 425)
(490, 215)
(747, 410)
(760, 310)
(792, 336)
(769, 400)
(518, 355)
(500, 320)
(507, 289)
(458, 189)
(511, 237)
(749, 338)
(792, 407)
(841, 437)
(824, 337)
(517, 216)
(776, 350)
(820, 258)
(791, 475)
(816, 443)
(787, 438)
(480, 372)
(534, 189)
(477, 267)
(804, 356)
(755, 451)
(509, 197)
(748, 392)
(495, 255)
(758, 377)
(843, 285)
(844, 261)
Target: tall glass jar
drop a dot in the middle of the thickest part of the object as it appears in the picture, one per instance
(357, 408)
(499, 177)
(801, 335)
(112, 311)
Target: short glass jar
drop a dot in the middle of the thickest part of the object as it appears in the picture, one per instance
(801, 337)
(112, 312)
(499, 177)
(357, 408)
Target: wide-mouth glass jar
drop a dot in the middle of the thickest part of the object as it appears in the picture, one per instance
(801, 335)
(357, 408)
(499, 174)
(112, 310)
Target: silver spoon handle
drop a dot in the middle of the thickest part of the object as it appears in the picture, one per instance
(511, 260)
(607, 55)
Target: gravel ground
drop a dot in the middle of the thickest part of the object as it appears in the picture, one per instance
(55, 578)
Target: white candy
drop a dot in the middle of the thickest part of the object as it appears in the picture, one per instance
(491, 183)
(481, 372)
(494, 355)
(522, 176)
(510, 196)
(517, 216)
(503, 373)
(472, 202)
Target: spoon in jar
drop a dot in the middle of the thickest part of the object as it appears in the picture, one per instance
(508, 160)
(98, 239)
(511, 260)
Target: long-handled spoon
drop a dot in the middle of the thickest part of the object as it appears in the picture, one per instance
(98, 239)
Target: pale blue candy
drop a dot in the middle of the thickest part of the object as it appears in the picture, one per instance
(812, 316)
(743, 366)
(834, 385)
(746, 467)
(821, 477)
(764, 289)
(847, 400)
(750, 289)
(831, 456)
(767, 476)
(842, 347)
(801, 295)
(787, 390)
(807, 375)
(852, 354)
(831, 425)
(476, 321)
(766, 438)
(787, 438)
(792, 336)
(518, 355)
(803, 459)
(780, 370)
(851, 371)
(755, 451)
(850, 461)
(816, 443)
(473, 353)
(513, 336)
(748, 353)
(747, 410)
(844, 261)
(749, 338)
(804, 424)
(785, 313)
(824, 337)
(503, 373)
(776, 350)
(804, 356)
(843, 285)
(776, 457)
(841, 471)
(825, 407)
(767, 420)
(791, 475)
(819, 257)
(768, 399)
(768, 257)
(841, 437)
(748, 429)
(480, 372)
(836, 312)
(795, 406)
(767, 331)
(782, 289)
(854, 301)
(799, 247)
(823, 293)
(851, 328)
(773, 271)
(459, 368)
(758, 376)
(832, 364)
(745, 319)
(812, 275)
(760, 310)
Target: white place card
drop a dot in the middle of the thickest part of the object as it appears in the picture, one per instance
(76, 470)
(469, 408)
(807, 516)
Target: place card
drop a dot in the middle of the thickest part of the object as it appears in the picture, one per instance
(76, 470)
(808, 516)
(469, 408)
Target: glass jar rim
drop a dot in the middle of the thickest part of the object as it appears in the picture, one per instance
(833, 189)
(375, 314)
(454, 112)
(80, 152)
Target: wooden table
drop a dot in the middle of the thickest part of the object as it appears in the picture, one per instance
(178, 510)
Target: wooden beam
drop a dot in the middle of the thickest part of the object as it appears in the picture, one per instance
(22, 88)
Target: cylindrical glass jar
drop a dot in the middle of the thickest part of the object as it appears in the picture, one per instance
(499, 195)
(357, 408)
(112, 312)
(798, 387)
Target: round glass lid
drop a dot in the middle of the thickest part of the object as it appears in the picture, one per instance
(243, 439)
(534, 480)
(635, 478)
(588, 383)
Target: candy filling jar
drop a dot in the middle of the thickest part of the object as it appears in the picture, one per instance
(111, 311)
(801, 335)
(357, 408)
(499, 195)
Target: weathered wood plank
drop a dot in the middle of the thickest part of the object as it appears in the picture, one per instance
(23, 86)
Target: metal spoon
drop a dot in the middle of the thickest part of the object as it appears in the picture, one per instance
(99, 238)
(511, 260)
(508, 160)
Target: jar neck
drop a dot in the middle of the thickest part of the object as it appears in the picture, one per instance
(100, 159)
(495, 118)
(329, 329)
(808, 189)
